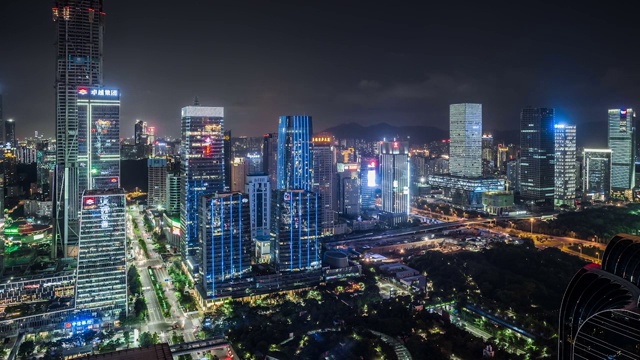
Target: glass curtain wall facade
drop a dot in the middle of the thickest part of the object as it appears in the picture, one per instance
(621, 143)
(565, 165)
(597, 174)
(226, 241)
(295, 160)
(295, 233)
(465, 129)
(537, 150)
(394, 168)
(102, 271)
(98, 138)
(258, 189)
(201, 168)
(79, 51)
(157, 182)
(324, 171)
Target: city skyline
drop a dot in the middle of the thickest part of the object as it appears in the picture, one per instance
(407, 86)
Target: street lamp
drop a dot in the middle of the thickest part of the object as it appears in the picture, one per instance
(531, 226)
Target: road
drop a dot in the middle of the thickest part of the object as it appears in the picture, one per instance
(188, 323)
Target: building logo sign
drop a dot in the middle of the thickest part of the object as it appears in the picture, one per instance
(95, 92)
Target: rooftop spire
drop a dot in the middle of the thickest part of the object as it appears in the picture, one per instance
(196, 102)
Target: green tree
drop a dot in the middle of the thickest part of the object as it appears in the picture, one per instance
(156, 338)
(27, 348)
(127, 338)
(146, 339)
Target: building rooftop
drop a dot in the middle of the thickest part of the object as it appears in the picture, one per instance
(154, 352)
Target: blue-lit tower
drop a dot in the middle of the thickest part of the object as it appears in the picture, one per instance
(295, 159)
(296, 230)
(226, 242)
(201, 169)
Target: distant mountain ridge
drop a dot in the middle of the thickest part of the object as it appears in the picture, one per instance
(416, 134)
(591, 134)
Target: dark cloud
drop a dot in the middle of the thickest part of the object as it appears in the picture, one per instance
(338, 61)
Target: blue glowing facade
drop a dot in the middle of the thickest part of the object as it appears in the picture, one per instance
(225, 240)
(295, 234)
(295, 158)
(201, 168)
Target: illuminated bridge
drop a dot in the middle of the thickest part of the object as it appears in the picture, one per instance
(218, 342)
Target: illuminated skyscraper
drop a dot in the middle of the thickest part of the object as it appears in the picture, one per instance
(237, 174)
(102, 271)
(258, 188)
(368, 182)
(537, 149)
(10, 133)
(201, 168)
(295, 241)
(225, 240)
(465, 153)
(596, 177)
(138, 132)
(295, 158)
(98, 138)
(270, 158)
(79, 43)
(324, 170)
(565, 165)
(394, 167)
(157, 182)
(621, 143)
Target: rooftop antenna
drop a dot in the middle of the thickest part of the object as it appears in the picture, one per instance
(196, 102)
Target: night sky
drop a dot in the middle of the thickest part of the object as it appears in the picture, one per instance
(340, 61)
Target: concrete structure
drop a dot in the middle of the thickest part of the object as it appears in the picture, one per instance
(335, 259)
(603, 300)
(258, 189)
(395, 171)
(537, 153)
(172, 201)
(237, 174)
(622, 145)
(465, 129)
(270, 158)
(295, 230)
(565, 166)
(102, 271)
(226, 242)
(295, 153)
(596, 178)
(201, 168)
(157, 182)
(79, 50)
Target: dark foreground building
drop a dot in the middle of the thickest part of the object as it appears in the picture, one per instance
(153, 352)
(599, 316)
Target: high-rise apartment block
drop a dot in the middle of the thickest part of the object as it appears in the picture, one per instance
(394, 168)
(225, 240)
(172, 200)
(565, 166)
(98, 138)
(201, 168)
(465, 153)
(295, 159)
(102, 273)
(537, 151)
(79, 44)
(596, 177)
(157, 182)
(622, 145)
